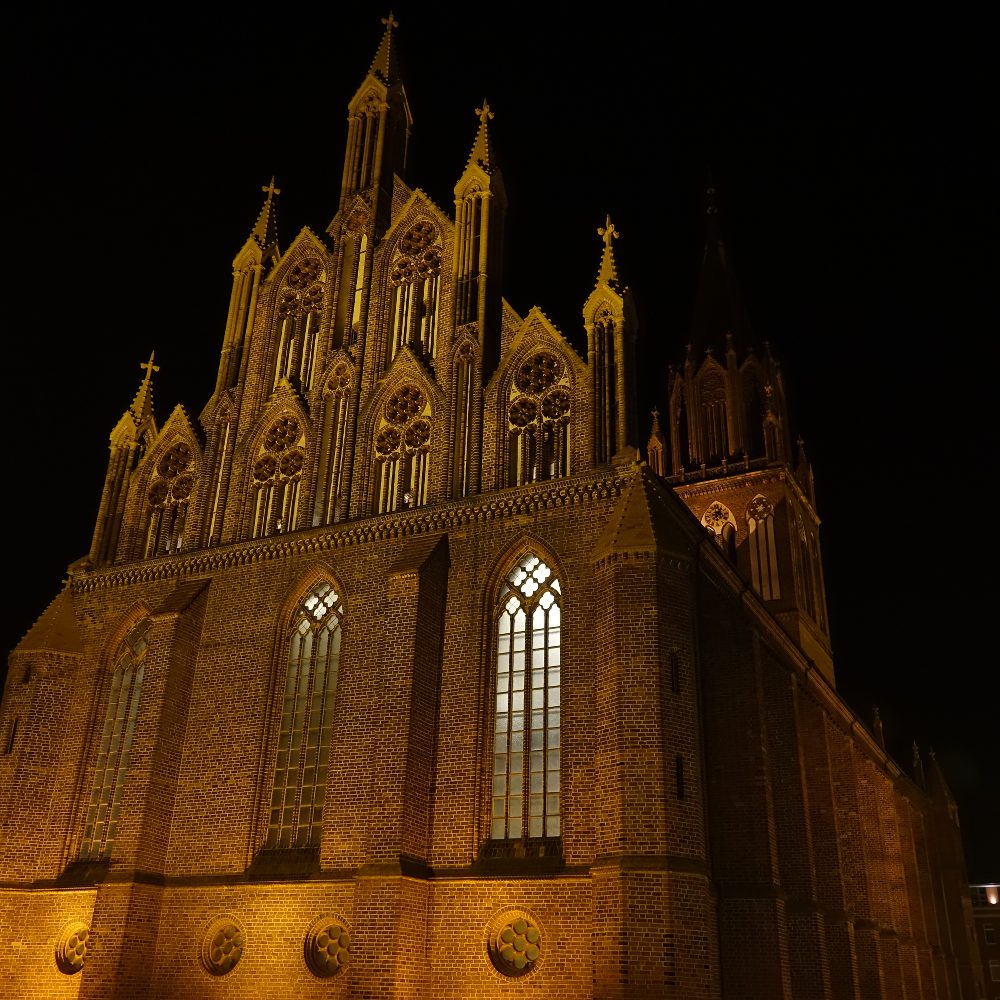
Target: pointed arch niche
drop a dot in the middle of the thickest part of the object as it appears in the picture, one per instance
(111, 766)
(762, 548)
(311, 647)
(171, 490)
(539, 407)
(525, 796)
(719, 520)
(415, 290)
(297, 317)
(277, 475)
(402, 451)
(332, 487)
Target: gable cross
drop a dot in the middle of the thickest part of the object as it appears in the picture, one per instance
(608, 231)
(484, 113)
(271, 190)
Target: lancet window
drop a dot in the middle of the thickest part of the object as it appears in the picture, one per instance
(111, 766)
(714, 416)
(605, 387)
(302, 758)
(277, 472)
(469, 228)
(337, 397)
(538, 421)
(464, 382)
(762, 548)
(171, 490)
(402, 453)
(415, 290)
(526, 721)
(719, 520)
(298, 313)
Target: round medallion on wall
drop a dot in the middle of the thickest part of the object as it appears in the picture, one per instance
(222, 947)
(514, 944)
(71, 951)
(328, 946)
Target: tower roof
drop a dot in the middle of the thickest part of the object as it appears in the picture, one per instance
(718, 310)
(265, 230)
(385, 65)
(608, 273)
(482, 149)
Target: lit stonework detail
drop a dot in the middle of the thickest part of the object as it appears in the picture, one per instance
(328, 947)
(71, 952)
(515, 944)
(538, 419)
(169, 496)
(276, 475)
(223, 946)
(300, 304)
(415, 290)
(402, 451)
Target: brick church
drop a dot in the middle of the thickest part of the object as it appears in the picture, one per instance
(416, 665)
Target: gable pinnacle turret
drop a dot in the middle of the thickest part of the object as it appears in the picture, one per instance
(142, 405)
(608, 273)
(482, 148)
(385, 65)
(265, 230)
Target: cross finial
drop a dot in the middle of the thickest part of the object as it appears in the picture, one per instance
(608, 231)
(484, 114)
(149, 366)
(270, 190)
(390, 21)
(655, 413)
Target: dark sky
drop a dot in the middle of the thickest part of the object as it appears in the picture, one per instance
(857, 179)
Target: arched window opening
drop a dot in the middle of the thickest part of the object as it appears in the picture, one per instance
(277, 473)
(526, 723)
(332, 498)
(402, 451)
(111, 766)
(538, 421)
(299, 307)
(719, 520)
(462, 422)
(303, 753)
(469, 229)
(762, 547)
(715, 426)
(605, 387)
(169, 497)
(415, 283)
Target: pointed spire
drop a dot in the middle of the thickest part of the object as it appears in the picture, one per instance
(482, 149)
(656, 446)
(265, 230)
(142, 405)
(385, 65)
(918, 767)
(608, 273)
(877, 730)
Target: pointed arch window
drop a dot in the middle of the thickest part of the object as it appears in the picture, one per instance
(469, 228)
(170, 493)
(526, 722)
(762, 548)
(719, 520)
(111, 767)
(538, 421)
(303, 753)
(332, 498)
(402, 451)
(715, 427)
(277, 473)
(605, 387)
(462, 421)
(298, 313)
(415, 289)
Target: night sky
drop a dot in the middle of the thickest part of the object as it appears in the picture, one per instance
(857, 180)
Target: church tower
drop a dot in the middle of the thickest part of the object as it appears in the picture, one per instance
(729, 454)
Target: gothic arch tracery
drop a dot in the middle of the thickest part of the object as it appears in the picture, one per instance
(297, 318)
(402, 450)
(415, 290)
(538, 411)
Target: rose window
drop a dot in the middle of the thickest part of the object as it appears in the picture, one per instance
(176, 460)
(71, 952)
(387, 441)
(222, 947)
(291, 463)
(158, 492)
(515, 945)
(555, 405)
(540, 372)
(417, 434)
(264, 468)
(327, 947)
(759, 508)
(304, 273)
(419, 237)
(283, 433)
(182, 488)
(522, 412)
(405, 404)
(340, 380)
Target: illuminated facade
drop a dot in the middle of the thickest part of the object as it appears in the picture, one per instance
(986, 913)
(399, 673)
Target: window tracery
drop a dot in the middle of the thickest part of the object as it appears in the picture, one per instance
(169, 497)
(115, 746)
(277, 473)
(762, 548)
(303, 752)
(538, 421)
(719, 520)
(298, 311)
(402, 450)
(526, 721)
(337, 397)
(415, 284)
